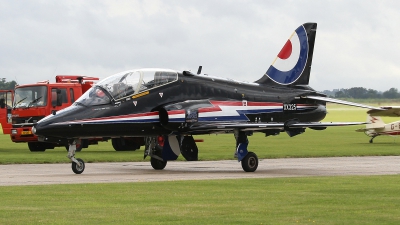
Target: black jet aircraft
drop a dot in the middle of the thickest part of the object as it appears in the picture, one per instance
(162, 109)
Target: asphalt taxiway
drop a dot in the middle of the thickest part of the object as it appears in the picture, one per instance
(40, 174)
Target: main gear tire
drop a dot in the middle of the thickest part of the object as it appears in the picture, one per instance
(158, 164)
(250, 162)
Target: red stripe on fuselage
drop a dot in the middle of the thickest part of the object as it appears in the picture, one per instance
(391, 132)
(175, 112)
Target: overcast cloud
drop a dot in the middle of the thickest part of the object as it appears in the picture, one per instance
(357, 43)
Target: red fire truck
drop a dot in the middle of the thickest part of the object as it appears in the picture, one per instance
(29, 103)
(33, 102)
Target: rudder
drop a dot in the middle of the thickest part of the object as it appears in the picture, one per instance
(292, 66)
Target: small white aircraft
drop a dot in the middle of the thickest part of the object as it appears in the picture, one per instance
(377, 127)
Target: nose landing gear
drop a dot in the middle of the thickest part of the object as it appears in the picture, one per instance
(78, 165)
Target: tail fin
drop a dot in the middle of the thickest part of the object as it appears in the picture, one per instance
(374, 122)
(292, 66)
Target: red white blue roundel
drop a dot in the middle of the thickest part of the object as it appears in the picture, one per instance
(291, 60)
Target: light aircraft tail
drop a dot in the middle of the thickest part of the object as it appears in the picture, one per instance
(374, 122)
(292, 65)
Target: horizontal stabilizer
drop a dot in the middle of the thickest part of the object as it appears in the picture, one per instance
(368, 129)
(342, 102)
(363, 130)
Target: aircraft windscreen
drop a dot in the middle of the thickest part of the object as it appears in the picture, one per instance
(94, 96)
(128, 83)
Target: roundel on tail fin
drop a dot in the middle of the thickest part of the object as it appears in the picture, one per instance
(291, 60)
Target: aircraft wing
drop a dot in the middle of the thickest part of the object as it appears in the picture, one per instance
(269, 126)
(337, 101)
(391, 111)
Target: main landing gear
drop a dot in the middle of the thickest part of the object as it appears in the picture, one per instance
(248, 159)
(153, 148)
(161, 151)
(372, 139)
(78, 165)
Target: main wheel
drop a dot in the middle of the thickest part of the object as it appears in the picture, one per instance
(76, 168)
(250, 162)
(158, 164)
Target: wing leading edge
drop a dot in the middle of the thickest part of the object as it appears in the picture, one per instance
(269, 126)
(342, 102)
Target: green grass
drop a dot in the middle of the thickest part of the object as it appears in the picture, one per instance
(334, 141)
(315, 200)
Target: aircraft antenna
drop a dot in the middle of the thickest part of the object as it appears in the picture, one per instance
(199, 70)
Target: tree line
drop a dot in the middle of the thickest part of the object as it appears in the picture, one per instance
(4, 85)
(363, 93)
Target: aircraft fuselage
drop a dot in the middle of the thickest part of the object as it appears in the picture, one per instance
(189, 100)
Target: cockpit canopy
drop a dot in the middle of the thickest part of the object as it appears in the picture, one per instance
(125, 84)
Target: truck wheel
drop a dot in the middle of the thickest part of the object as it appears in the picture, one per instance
(36, 147)
(124, 145)
(116, 143)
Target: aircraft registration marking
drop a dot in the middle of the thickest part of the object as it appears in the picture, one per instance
(141, 94)
(289, 107)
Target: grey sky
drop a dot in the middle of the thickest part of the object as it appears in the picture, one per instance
(357, 42)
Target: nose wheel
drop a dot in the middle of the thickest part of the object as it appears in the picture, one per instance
(79, 166)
